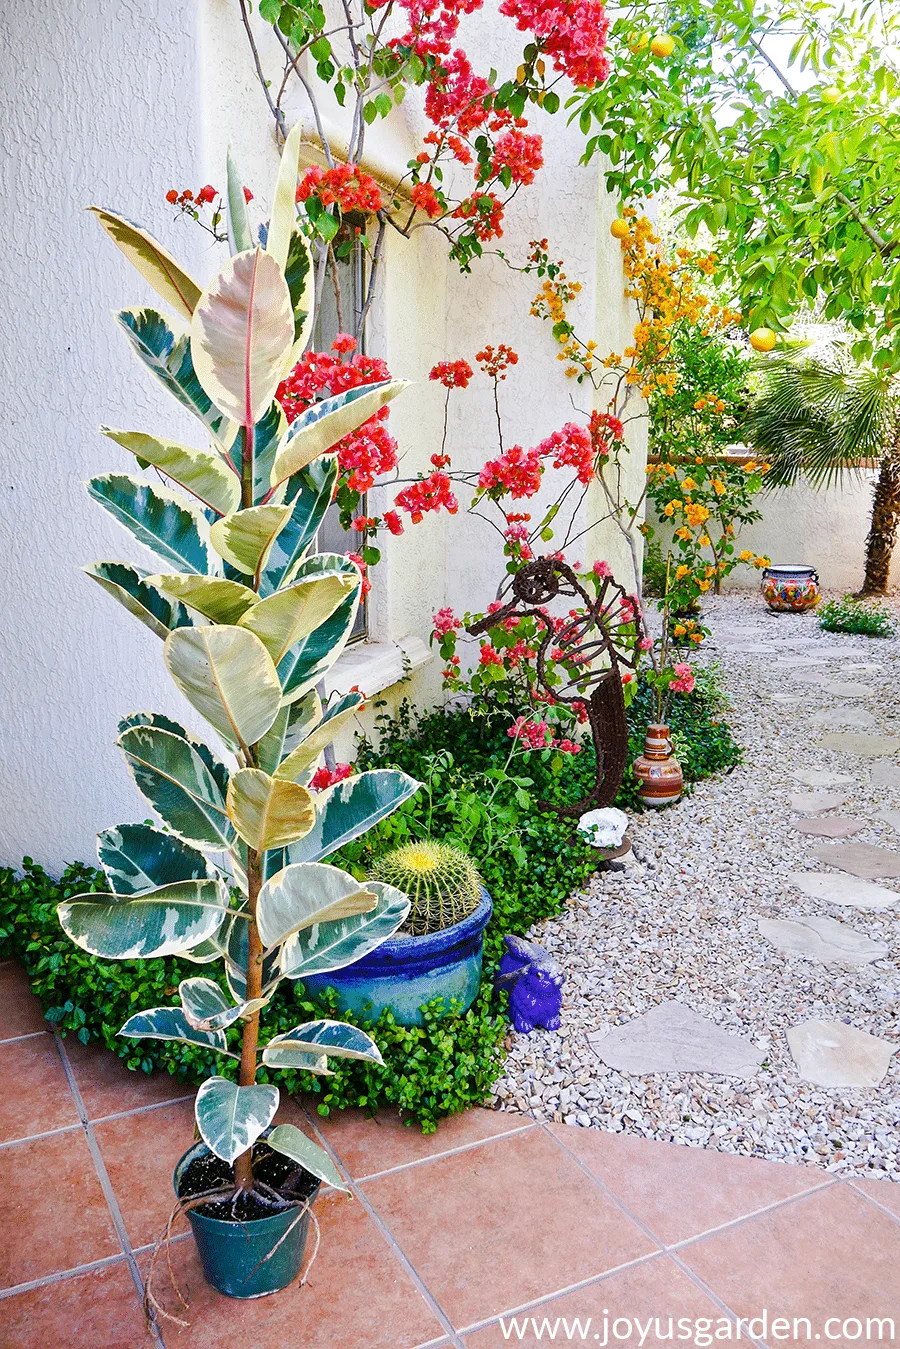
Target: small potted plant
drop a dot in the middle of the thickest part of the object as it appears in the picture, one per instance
(250, 621)
(436, 952)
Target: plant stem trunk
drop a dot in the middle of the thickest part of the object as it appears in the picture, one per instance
(885, 518)
(243, 1166)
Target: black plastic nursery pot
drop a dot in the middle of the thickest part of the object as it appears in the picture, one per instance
(244, 1258)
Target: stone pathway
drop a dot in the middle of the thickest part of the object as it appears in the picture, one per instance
(735, 983)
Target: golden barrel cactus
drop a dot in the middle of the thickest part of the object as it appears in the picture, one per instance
(442, 883)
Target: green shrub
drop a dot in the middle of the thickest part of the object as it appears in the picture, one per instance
(850, 615)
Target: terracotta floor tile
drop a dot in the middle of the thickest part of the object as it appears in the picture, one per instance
(35, 1096)
(367, 1145)
(52, 1205)
(680, 1192)
(502, 1224)
(830, 1254)
(108, 1087)
(100, 1310)
(656, 1291)
(886, 1192)
(358, 1296)
(20, 1011)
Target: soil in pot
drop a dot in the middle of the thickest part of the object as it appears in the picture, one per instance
(288, 1180)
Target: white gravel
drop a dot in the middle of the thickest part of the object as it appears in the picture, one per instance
(680, 921)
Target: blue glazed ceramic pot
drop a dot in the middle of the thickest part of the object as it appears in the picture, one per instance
(404, 972)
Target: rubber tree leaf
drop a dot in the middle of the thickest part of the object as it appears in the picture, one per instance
(300, 278)
(136, 593)
(241, 335)
(334, 1038)
(214, 597)
(170, 1023)
(291, 1142)
(228, 676)
(163, 723)
(283, 218)
(266, 812)
(350, 808)
(332, 945)
(233, 943)
(170, 773)
(240, 236)
(245, 538)
(165, 349)
(321, 426)
(310, 659)
(162, 922)
(231, 1118)
(291, 614)
(292, 725)
(206, 475)
(267, 434)
(310, 493)
(155, 265)
(137, 857)
(157, 518)
(206, 1007)
(305, 754)
(306, 895)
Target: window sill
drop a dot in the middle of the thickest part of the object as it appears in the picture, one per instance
(375, 666)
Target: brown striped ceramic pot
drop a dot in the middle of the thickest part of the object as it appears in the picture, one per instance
(659, 775)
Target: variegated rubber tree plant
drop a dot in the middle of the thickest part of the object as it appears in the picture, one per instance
(251, 619)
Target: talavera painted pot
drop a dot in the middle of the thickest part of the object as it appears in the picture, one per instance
(659, 775)
(405, 971)
(790, 589)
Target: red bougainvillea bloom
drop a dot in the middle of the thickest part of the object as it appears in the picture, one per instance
(327, 777)
(393, 522)
(248, 195)
(522, 155)
(445, 621)
(426, 199)
(361, 563)
(571, 32)
(453, 375)
(516, 471)
(440, 460)
(367, 453)
(601, 569)
(488, 656)
(343, 344)
(571, 447)
(486, 213)
(534, 734)
(604, 428)
(457, 97)
(206, 194)
(496, 363)
(428, 494)
(345, 185)
(684, 681)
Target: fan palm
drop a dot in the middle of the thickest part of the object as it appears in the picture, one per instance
(818, 416)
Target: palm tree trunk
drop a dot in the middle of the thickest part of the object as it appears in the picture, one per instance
(885, 518)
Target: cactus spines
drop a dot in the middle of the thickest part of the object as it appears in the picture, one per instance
(442, 882)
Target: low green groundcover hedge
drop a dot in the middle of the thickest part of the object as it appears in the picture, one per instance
(531, 862)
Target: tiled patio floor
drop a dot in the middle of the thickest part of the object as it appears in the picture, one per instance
(494, 1214)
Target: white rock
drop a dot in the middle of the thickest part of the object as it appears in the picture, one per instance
(671, 1038)
(846, 890)
(821, 939)
(832, 1054)
(603, 828)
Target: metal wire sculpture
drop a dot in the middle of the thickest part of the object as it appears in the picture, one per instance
(589, 640)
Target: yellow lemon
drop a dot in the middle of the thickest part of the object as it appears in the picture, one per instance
(831, 95)
(619, 228)
(638, 42)
(762, 339)
(663, 44)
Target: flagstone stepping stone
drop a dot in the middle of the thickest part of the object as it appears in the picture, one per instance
(856, 717)
(671, 1038)
(790, 662)
(866, 746)
(842, 688)
(865, 860)
(886, 775)
(853, 651)
(865, 666)
(891, 817)
(822, 939)
(845, 890)
(832, 1054)
(831, 826)
(824, 777)
(816, 803)
(815, 677)
(752, 648)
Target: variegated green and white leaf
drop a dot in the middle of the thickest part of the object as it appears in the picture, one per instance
(293, 724)
(267, 435)
(233, 943)
(179, 785)
(332, 945)
(291, 1142)
(321, 426)
(206, 1007)
(228, 676)
(162, 922)
(309, 660)
(208, 476)
(334, 1038)
(170, 1023)
(163, 345)
(240, 236)
(136, 593)
(300, 896)
(245, 538)
(242, 332)
(300, 277)
(231, 1118)
(350, 808)
(304, 756)
(283, 217)
(153, 262)
(266, 812)
(292, 614)
(310, 494)
(156, 517)
(212, 596)
(137, 857)
(163, 723)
